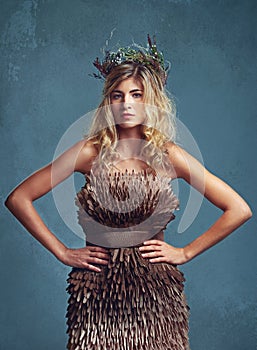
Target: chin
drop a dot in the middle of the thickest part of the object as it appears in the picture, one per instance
(128, 125)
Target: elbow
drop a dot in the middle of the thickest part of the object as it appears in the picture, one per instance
(246, 212)
(249, 214)
(13, 200)
(10, 201)
(241, 212)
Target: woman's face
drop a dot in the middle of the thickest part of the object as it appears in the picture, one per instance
(127, 103)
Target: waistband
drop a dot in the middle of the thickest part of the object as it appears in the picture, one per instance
(122, 239)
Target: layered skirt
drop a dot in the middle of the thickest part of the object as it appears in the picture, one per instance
(131, 304)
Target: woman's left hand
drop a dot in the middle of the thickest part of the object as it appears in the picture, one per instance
(160, 251)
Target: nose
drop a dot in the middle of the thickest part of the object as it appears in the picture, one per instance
(127, 101)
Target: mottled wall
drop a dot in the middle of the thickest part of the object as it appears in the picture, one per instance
(47, 49)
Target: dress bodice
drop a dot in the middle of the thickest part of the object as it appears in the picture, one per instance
(122, 209)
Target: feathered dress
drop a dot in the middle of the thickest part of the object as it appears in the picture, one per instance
(132, 304)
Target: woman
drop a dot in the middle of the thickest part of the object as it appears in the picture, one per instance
(126, 291)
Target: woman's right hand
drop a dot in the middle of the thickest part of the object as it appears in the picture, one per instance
(85, 257)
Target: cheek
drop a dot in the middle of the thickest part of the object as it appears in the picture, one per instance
(115, 109)
(140, 111)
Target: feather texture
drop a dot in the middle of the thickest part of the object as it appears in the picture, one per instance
(124, 209)
(130, 304)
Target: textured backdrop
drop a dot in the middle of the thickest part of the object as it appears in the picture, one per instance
(47, 49)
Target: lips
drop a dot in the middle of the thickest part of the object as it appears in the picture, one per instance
(127, 115)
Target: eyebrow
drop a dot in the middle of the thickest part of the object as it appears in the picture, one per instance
(134, 90)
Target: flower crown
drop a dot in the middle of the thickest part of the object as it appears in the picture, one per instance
(149, 57)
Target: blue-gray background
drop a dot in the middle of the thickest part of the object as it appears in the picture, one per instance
(47, 49)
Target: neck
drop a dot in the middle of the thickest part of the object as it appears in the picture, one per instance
(135, 132)
(130, 147)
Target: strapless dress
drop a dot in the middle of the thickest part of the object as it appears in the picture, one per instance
(132, 304)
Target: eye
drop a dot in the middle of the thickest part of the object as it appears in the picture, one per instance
(116, 96)
(137, 95)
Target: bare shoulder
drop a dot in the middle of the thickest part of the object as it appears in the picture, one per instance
(174, 150)
(171, 148)
(88, 151)
(179, 158)
(88, 148)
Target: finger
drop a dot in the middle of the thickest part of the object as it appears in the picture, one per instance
(150, 247)
(98, 261)
(92, 268)
(151, 255)
(98, 249)
(99, 255)
(159, 259)
(153, 241)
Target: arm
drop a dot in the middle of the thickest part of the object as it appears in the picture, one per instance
(20, 203)
(235, 210)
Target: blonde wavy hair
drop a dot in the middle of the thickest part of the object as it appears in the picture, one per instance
(159, 125)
